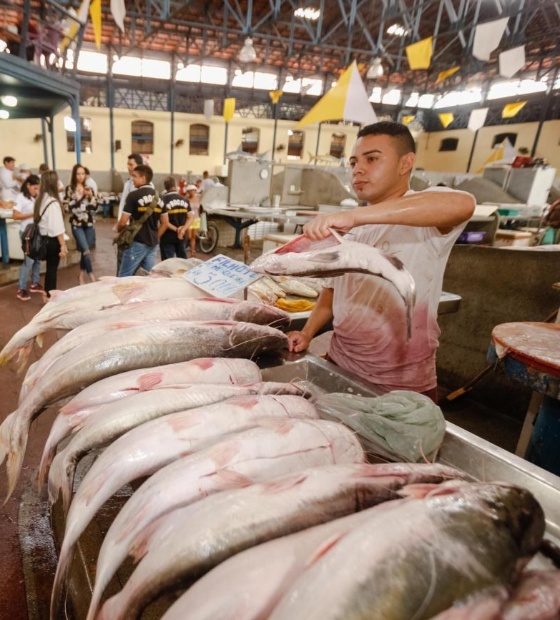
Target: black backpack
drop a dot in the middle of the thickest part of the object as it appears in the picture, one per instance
(33, 243)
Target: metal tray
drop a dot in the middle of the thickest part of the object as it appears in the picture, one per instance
(477, 457)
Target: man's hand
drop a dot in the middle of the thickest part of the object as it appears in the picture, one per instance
(298, 341)
(553, 216)
(319, 227)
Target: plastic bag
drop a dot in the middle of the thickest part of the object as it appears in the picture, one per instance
(398, 426)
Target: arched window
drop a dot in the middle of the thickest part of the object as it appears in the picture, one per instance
(338, 142)
(250, 139)
(199, 139)
(85, 134)
(449, 144)
(296, 140)
(502, 137)
(143, 137)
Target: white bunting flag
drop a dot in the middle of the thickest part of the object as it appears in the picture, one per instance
(118, 10)
(512, 61)
(487, 37)
(209, 108)
(477, 119)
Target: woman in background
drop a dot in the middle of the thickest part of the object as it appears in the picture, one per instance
(82, 205)
(48, 212)
(23, 212)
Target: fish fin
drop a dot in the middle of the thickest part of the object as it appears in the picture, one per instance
(248, 401)
(233, 480)
(71, 407)
(54, 294)
(324, 257)
(61, 476)
(396, 262)
(285, 484)
(124, 324)
(149, 381)
(5, 435)
(127, 292)
(278, 425)
(204, 363)
(64, 560)
(23, 354)
(16, 444)
(323, 549)
(141, 543)
(49, 453)
(418, 490)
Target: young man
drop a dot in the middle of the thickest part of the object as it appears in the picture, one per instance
(90, 182)
(179, 218)
(142, 252)
(9, 182)
(207, 182)
(369, 320)
(132, 161)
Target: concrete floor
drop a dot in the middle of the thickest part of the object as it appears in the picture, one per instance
(15, 314)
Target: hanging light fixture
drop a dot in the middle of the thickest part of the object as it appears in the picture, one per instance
(9, 100)
(248, 52)
(69, 124)
(4, 115)
(375, 70)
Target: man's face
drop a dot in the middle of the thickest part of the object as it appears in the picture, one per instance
(191, 194)
(378, 168)
(10, 165)
(138, 179)
(131, 164)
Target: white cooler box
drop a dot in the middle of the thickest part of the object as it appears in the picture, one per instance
(14, 240)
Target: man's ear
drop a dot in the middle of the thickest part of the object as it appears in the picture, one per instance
(406, 164)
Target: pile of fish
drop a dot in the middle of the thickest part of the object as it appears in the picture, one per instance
(251, 506)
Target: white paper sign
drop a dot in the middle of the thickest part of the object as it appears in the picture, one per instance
(487, 37)
(477, 118)
(512, 61)
(221, 276)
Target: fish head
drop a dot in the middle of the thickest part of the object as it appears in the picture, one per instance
(261, 314)
(262, 337)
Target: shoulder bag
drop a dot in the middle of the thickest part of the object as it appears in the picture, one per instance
(33, 243)
(125, 238)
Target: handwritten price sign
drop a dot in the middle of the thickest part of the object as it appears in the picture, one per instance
(221, 276)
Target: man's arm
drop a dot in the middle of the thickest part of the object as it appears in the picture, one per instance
(8, 179)
(442, 210)
(123, 222)
(321, 314)
(164, 224)
(181, 232)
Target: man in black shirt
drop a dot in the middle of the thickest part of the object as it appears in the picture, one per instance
(142, 252)
(179, 218)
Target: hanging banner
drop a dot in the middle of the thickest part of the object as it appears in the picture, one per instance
(420, 54)
(445, 74)
(511, 109)
(229, 108)
(408, 119)
(347, 101)
(446, 119)
(208, 109)
(477, 119)
(275, 96)
(118, 10)
(512, 61)
(487, 37)
(95, 12)
(75, 25)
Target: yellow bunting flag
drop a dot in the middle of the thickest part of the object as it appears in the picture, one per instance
(511, 109)
(347, 101)
(445, 74)
(420, 54)
(95, 12)
(408, 119)
(229, 108)
(75, 25)
(275, 95)
(446, 119)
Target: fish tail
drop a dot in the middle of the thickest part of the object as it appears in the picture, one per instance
(5, 436)
(61, 477)
(64, 559)
(16, 451)
(46, 460)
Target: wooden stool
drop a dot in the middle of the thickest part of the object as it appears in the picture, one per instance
(530, 353)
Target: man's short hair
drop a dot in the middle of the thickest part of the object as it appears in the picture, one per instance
(400, 132)
(43, 168)
(137, 158)
(8, 160)
(86, 170)
(169, 183)
(145, 171)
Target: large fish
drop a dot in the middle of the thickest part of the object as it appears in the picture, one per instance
(183, 309)
(175, 266)
(331, 257)
(417, 560)
(188, 542)
(536, 597)
(115, 419)
(86, 304)
(272, 447)
(200, 371)
(129, 349)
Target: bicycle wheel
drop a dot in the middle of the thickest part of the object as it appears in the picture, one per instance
(209, 241)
